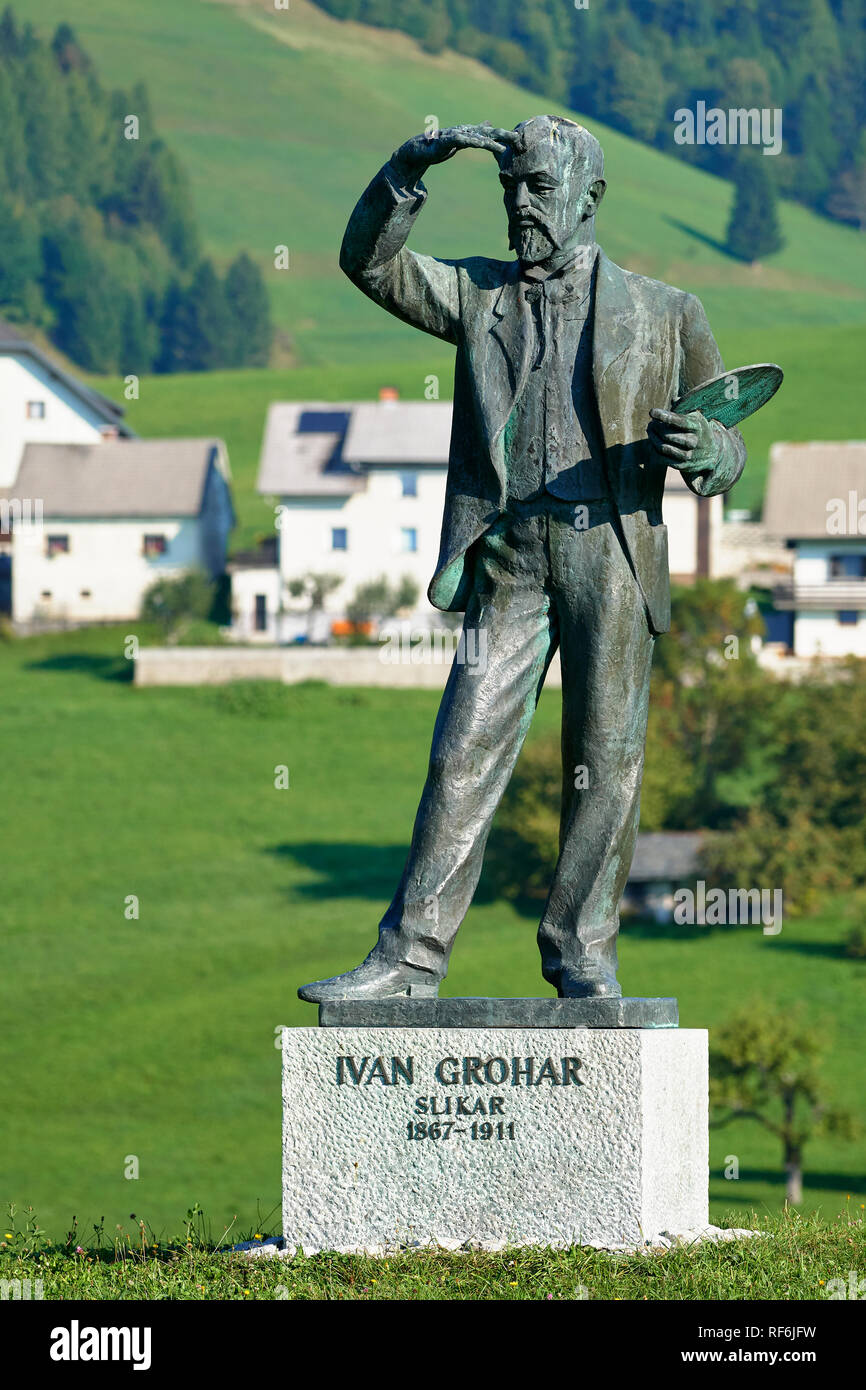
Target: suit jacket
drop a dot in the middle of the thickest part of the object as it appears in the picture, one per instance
(651, 344)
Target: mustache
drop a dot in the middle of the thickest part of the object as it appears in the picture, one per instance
(519, 220)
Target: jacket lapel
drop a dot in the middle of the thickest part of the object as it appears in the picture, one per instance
(512, 327)
(613, 332)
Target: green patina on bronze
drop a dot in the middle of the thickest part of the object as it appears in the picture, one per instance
(566, 371)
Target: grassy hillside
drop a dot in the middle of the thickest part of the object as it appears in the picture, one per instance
(155, 1037)
(283, 116)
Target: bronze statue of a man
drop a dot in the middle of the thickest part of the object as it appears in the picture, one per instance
(552, 535)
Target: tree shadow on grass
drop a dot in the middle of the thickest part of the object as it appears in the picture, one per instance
(344, 870)
(826, 950)
(813, 1181)
(351, 870)
(701, 236)
(647, 929)
(106, 668)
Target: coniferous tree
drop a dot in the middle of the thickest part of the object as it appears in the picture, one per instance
(69, 54)
(10, 41)
(43, 105)
(753, 231)
(20, 261)
(210, 319)
(637, 93)
(137, 336)
(819, 148)
(88, 324)
(196, 329)
(98, 240)
(14, 171)
(172, 213)
(176, 331)
(250, 330)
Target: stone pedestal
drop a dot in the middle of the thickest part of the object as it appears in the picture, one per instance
(405, 1136)
(482, 1012)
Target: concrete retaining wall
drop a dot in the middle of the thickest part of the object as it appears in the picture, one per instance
(336, 665)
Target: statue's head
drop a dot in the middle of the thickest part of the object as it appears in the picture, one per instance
(553, 184)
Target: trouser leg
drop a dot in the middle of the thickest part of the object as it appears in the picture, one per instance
(606, 653)
(485, 713)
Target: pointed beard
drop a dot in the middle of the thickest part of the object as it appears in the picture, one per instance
(532, 244)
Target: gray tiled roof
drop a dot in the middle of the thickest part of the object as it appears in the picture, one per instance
(302, 451)
(668, 855)
(804, 478)
(395, 432)
(135, 477)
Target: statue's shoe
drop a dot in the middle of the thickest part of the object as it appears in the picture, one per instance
(589, 982)
(372, 979)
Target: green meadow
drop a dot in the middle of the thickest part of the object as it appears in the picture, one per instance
(154, 1036)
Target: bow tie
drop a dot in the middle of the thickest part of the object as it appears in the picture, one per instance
(565, 283)
(556, 290)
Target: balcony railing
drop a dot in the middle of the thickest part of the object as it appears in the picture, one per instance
(833, 594)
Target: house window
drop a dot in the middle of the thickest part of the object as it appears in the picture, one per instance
(409, 484)
(56, 545)
(408, 538)
(847, 617)
(35, 410)
(339, 538)
(848, 566)
(261, 617)
(154, 545)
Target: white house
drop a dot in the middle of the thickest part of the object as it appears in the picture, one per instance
(695, 526)
(111, 518)
(41, 403)
(358, 489)
(257, 590)
(816, 503)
